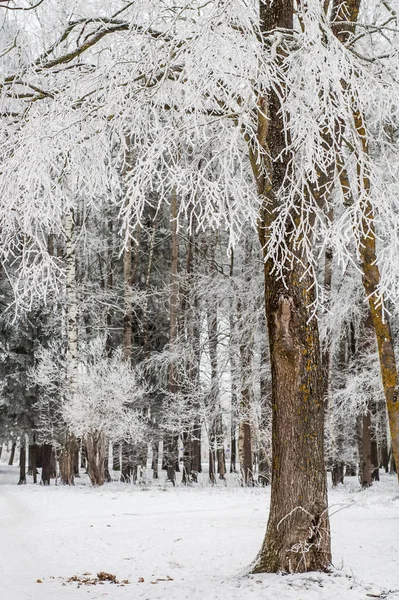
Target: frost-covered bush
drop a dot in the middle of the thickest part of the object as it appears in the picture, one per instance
(107, 404)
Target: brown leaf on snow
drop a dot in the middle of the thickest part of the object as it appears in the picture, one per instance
(102, 576)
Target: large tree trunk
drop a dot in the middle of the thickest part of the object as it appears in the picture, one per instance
(297, 537)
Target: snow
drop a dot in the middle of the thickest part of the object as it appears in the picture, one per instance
(191, 542)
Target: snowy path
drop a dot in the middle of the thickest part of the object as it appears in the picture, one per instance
(200, 538)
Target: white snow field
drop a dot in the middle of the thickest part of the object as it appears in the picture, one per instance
(180, 543)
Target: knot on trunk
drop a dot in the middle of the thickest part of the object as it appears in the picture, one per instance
(283, 317)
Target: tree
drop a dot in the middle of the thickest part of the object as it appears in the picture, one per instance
(107, 403)
(295, 98)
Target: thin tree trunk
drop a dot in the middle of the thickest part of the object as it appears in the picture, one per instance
(190, 332)
(348, 13)
(366, 466)
(33, 458)
(197, 467)
(211, 463)
(12, 455)
(246, 351)
(76, 462)
(67, 458)
(155, 458)
(375, 474)
(97, 449)
(187, 458)
(336, 427)
(125, 449)
(233, 370)
(53, 464)
(107, 474)
(22, 464)
(83, 455)
(116, 457)
(127, 287)
(264, 465)
(127, 462)
(46, 464)
(171, 441)
(384, 463)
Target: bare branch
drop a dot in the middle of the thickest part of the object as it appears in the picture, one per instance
(4, 2)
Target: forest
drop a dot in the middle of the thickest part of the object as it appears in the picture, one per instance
(199, 283)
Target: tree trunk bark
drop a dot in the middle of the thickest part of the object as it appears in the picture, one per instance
(246, 351)
(155, 459)
(69, 449)
(244, 441)
(375, 474)
(127, 462)
(12, 455)
(197, 467)
(366, 466)
(22, 464)
(348, 13)
(33, 460)
(171, 441)
(392, 463)
(47, 466)
(384, 463)
(211, 463)
(233, 370)
(264, 464)
(337, 474)
(297, 537)
(337, 420)
(128, 296)
(76, 462)
(107, 474)
(116, 457)
(97, 449)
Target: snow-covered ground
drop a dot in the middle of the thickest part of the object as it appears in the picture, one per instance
(183, 543)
